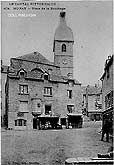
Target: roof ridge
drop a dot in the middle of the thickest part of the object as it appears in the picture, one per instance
(35, 57)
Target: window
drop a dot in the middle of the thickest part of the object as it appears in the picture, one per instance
(23, 89)
(69, 94)
(63, 48)
(46, 76)
(70, 108)
(47, 109)
(48, 91)
(20, 122)
(22, 74)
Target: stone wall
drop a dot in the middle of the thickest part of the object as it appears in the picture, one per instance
(59, 99)
(107, 85)
(3, 82)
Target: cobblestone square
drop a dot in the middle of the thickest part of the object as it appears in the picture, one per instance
(52, 147)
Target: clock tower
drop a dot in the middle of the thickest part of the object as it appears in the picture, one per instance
(63, 47)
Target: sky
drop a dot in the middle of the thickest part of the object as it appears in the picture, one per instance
(90, 21)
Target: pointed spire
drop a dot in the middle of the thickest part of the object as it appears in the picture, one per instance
(63, 32)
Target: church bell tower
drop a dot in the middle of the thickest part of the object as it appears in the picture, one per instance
(63, 47)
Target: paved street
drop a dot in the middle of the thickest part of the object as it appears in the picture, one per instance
(51, 147)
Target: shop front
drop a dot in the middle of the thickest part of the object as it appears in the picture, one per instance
(74, 120)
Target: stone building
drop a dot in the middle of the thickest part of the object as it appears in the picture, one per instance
(3, 82)
(39, 91)
(92, 102)
(107, 92)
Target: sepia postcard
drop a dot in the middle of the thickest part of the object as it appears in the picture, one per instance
(56, 82)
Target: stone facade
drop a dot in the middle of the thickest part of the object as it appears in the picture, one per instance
(3, 82)
(107, 91)
(36, 86)
(92, 102)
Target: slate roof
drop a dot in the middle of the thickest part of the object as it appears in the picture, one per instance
(33, 75)
(57, 78)
(35, 57)
(61, 78)
(94, 90)
(63, 32)
(91, 90)
(13, 73)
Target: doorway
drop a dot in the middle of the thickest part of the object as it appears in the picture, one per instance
(34, 123)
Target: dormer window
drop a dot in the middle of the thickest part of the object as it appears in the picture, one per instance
(50, 70)
(63, 48)
(45, 76)
(22, 73)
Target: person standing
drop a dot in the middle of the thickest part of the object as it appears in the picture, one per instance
(105, 130)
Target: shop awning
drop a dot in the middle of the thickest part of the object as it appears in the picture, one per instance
(74, 114)
(47, 116)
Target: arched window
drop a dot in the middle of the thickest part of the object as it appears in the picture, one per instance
(46, 76)
(37, 72)
(63, 48)
(21, 73)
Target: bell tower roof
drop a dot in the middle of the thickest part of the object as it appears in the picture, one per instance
(63, 32)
